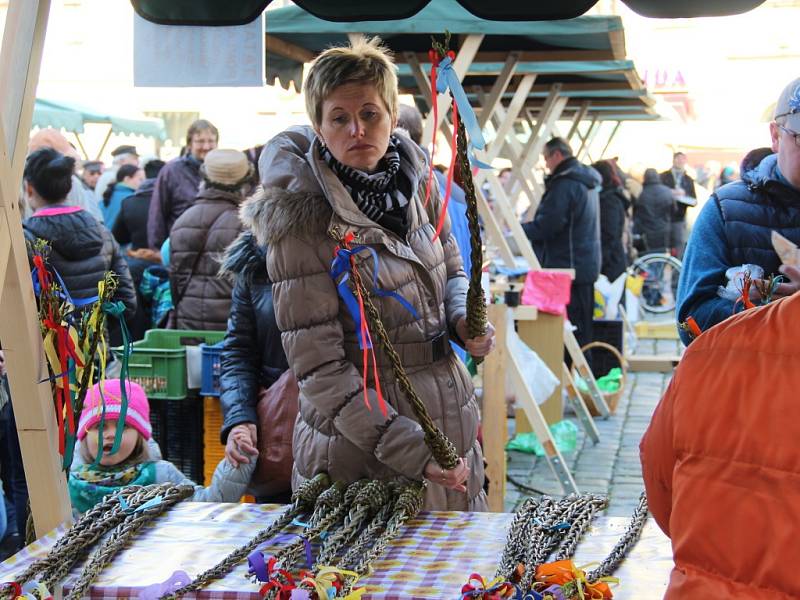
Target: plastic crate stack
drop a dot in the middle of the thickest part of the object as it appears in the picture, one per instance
(213, 450)
(177, 414)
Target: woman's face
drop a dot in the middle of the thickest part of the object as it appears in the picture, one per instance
(135, 180)
(356, 125)
(129, 438)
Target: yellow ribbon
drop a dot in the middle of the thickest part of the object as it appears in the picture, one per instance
(327, 576)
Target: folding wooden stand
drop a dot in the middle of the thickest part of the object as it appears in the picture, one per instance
(495, 426)
(23, 40)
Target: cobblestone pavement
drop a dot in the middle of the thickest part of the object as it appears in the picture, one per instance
(611, 466)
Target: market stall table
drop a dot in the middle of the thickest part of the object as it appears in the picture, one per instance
(431, 559)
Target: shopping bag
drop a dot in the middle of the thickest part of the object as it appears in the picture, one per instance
(538, 377)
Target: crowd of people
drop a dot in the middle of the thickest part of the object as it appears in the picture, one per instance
(243, 242)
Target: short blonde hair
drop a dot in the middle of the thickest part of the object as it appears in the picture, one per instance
(366, 60)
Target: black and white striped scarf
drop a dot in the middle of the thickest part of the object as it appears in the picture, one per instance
(384, 195)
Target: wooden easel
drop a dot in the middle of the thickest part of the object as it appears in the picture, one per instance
(20, 59)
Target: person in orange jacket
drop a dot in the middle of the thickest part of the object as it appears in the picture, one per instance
(721, 458)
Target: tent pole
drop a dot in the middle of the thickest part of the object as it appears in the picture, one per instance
(105, 141)
(585, 138)
(495, 98)
(579, 116)
(80, 145)
(610, 139)
(589, 141)
(513, 149)
(20, 61)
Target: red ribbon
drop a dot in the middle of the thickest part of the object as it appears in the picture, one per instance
(284, 589)
(368, 347)
(65, 348)
(434, 57)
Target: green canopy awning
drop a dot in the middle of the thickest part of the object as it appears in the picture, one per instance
(72, 117)
(215, 12)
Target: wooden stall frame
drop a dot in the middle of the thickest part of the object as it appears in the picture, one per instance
(555, 104)
(20, 61)
(494, 423)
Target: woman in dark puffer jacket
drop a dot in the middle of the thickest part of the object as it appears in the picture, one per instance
(252, 357)
(82, 249)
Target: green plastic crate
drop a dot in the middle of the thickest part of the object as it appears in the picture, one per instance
(158, 362)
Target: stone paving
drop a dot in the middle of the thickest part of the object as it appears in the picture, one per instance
(612, 466)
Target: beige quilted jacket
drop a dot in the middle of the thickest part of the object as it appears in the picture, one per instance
(335, 431)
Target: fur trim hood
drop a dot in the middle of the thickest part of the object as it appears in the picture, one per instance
(278, 213)
(244, 258)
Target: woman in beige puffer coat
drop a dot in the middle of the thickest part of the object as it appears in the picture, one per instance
(307, 196)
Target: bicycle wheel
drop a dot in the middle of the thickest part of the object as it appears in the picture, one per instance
(660, 273)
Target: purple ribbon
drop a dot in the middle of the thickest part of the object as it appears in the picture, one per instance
(176, 581)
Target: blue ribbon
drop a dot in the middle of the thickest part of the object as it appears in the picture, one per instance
(64, 293)
(447, 78)
(341, 265)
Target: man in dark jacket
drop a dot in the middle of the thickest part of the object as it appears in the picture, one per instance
(565, 232)
(683, 191)
(178, 182)
(734, 228)
(651, 216)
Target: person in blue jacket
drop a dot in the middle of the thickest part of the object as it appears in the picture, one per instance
(410, 119)
(734, 227)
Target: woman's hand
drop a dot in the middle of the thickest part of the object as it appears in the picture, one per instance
(478, 346)
(241, 447)
(454, 479)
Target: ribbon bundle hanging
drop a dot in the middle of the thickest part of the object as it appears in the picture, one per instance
(73, 332)
(60, 348)
(443, 450)
(342, 268)
(444, 78)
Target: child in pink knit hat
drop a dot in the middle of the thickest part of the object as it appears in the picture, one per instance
(91, 479)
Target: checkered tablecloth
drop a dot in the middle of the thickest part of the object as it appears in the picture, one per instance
(432, 558)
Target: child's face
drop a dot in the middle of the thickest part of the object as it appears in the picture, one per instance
(129, 438)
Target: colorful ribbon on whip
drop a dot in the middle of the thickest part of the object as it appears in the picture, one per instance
(61, 350)
(443, 79)
(117, 309)
(342, 267)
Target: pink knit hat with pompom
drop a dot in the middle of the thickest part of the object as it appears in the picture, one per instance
(137, 415)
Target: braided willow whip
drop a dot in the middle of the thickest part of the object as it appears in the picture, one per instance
(109, 287)
(80, 539)
(540, 526)
(624, 545)
(443, 450)
(365, 504)
(369, 536)
(75, 543)
(303, 499)
(329, 510)
(124, 533)
(476, 303)
(408, 506)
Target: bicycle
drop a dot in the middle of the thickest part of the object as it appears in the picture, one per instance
(660, 272)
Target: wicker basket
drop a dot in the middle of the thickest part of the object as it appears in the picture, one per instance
(612, 399)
